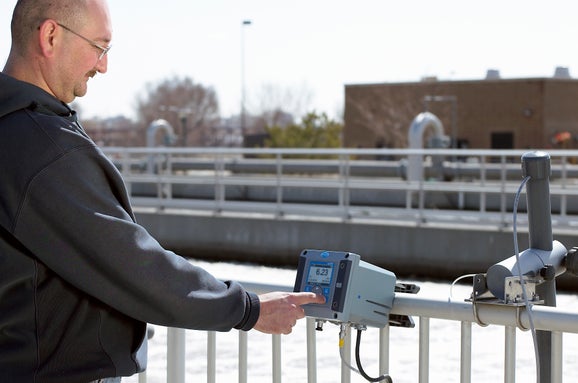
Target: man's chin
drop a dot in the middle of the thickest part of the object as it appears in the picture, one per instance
(80, 92)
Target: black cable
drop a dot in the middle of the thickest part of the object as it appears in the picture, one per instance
(358, 360)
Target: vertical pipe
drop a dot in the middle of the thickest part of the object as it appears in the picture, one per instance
(384, 350)
(279, 172)
(211, 357)
(466, 353)
(510, 354)
(423, 350)
(557, 357)
(243, 347)
(563, 196)
(345, 371)
(343, 192)
(175, 355)
(537, 166)
(311, 351)
(483, 183)
(503, 191)
(408, 196)
(421, 202)
(276, 358)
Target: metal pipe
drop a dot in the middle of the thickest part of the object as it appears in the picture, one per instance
(175, 355)
(545, 318)
(345, 371)
(424, 350)
(537, 166)
(211, 357)
(466, 353)
(384, 350)
(415, 137)
(243, 352)
(510, 354)
(277, 368)
(557, 357)
(311, 351)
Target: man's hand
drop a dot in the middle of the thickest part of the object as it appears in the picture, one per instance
(280, 311)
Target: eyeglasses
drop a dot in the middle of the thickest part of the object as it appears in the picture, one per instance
(104, 50)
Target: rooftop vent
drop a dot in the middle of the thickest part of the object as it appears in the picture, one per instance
(429, 79)
(562, 72)
(493, 74)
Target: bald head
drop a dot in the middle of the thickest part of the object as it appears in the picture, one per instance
(59, 45)
(29, 14)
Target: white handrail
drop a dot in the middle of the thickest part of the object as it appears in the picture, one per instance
(555, 319)
(343, 175)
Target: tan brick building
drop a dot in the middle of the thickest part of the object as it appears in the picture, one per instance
(528, 113)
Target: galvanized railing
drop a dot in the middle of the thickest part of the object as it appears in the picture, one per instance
(556, 320)
(483, 174)
(481, 187)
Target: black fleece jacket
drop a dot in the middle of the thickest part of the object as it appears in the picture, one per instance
(79, 278)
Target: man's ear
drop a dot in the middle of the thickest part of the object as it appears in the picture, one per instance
(48, 36)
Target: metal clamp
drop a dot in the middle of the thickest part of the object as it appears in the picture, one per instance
(475, 310)
(519, 320)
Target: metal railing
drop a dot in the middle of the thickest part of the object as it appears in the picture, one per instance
(489, 176)
(556, 320)
(347, 183)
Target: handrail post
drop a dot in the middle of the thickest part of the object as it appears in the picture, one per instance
(175, 355)
(169, 172)
(384, 349)
(277, 370)
(483, 183)
(423, 350)
(211, 357)
(344, 194)
(311, 351)
(509, 354)
(346, 354)
(219, 185)
(557, 356)
(243, 352)
(421, 202)
(503, 180)
(466, 353)
(279, 181)
(564, 184)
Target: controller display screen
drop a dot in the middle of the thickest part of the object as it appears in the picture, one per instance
(320, 273)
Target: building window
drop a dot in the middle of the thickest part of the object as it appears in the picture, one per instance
(503, 140)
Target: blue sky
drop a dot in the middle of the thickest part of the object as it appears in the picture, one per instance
(315, 47)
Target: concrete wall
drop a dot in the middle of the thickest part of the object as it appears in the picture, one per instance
(407, 250)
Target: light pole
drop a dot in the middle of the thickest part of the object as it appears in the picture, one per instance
(243, 112)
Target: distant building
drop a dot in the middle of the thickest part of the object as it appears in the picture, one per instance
(493, 113)
(115, 131)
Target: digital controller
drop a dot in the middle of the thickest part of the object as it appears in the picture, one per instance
(355, 291)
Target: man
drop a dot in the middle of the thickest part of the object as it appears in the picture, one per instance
(79, 278)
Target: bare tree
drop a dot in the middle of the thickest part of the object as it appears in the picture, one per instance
(192, 109)
(278, 106)
(383, 112)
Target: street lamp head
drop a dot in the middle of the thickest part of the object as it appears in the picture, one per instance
(247, 22)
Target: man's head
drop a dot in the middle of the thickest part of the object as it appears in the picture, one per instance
(59, 44)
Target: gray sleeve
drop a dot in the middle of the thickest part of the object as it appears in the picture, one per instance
(76, 218)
